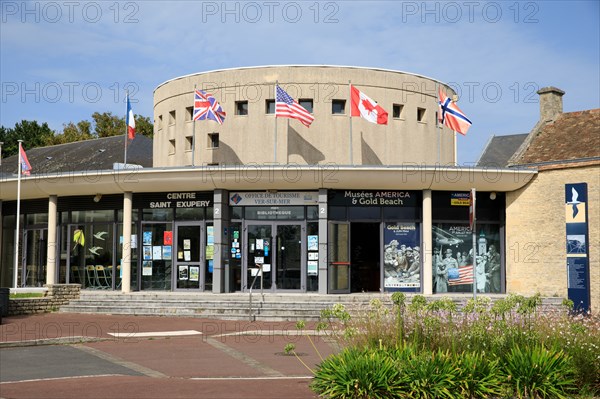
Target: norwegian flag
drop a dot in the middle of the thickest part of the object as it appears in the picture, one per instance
(451, 116)
(207, 107)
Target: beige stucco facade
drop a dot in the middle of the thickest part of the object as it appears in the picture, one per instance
(247, 139)
(536, 233)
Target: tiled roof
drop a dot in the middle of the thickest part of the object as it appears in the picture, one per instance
(97, 154)
(571, 136)
(499, 150)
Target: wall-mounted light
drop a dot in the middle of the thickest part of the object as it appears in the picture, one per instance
(493, 195)
(98, 197)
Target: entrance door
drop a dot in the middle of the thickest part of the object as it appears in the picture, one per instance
(189, 256)
(34, 259)
(277, 249)
(365, 257)
(288, 257)
(338, 275)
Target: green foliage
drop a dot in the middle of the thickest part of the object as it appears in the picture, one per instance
(31, 132)
(429, 374)
(536, 372)
(479, 375)
(478, 339)
(359, 374)
(289, 348)
(103, 124)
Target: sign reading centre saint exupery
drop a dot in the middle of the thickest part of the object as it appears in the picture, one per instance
(191, 199)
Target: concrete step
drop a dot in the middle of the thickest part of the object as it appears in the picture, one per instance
(270, 306)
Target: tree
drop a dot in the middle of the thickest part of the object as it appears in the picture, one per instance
(74, 132)
(106, 124)
(31, 132)
(144, 126)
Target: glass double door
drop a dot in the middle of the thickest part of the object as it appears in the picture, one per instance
(275, 256)
(33, 270)
(194, 253)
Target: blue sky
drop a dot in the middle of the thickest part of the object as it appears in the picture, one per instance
(62, 61)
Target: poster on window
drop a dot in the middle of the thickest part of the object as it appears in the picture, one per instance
(194, 273)
(183, 273)
(402, 256)
(147, 268)
(147, 238)
(452, 261)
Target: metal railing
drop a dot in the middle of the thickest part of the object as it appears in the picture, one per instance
(259, 273)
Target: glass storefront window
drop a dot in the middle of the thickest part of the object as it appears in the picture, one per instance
(312, 245)
(401, 256)
(312, 212)
(189, 214)
(90, 253)
(37, 218)
(453, 258)
(156, 259)
(93, 216)
(157, 215)
(236, 212)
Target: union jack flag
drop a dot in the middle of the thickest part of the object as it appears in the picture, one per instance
(207, 107)
(451, 116)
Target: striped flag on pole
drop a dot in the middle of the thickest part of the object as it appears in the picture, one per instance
(24, 165)
(130, 121)
(451, 116)
(460, 275)
(287, 107)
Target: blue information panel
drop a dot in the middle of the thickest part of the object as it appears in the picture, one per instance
(577, 254)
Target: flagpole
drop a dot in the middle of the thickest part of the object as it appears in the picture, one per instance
(275, 134)
(350, 121)
(126, 128)
(193, 133)
(455, 150)
(19, 169)
(473, 231)
(438, 126)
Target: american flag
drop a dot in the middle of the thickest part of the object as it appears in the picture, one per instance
(451, 116)
(465, 276)
(287, 107)
(207, 107)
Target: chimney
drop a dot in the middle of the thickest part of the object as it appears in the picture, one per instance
(550, 103)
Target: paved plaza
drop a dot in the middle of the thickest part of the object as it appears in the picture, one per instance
(56, 355)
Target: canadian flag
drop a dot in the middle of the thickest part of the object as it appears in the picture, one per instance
(361, 105)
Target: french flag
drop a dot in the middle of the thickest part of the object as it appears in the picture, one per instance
(130, 121)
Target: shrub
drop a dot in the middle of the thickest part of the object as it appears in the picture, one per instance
(480, 375)
(358, 374)
(429, 374)
(536, 372)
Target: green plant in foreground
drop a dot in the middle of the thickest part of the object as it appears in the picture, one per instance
(359, 374)
(480, 376)
(429, 374)
(289, 348)
(536, 372)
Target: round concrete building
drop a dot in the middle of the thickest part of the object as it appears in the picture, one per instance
(252, 133)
